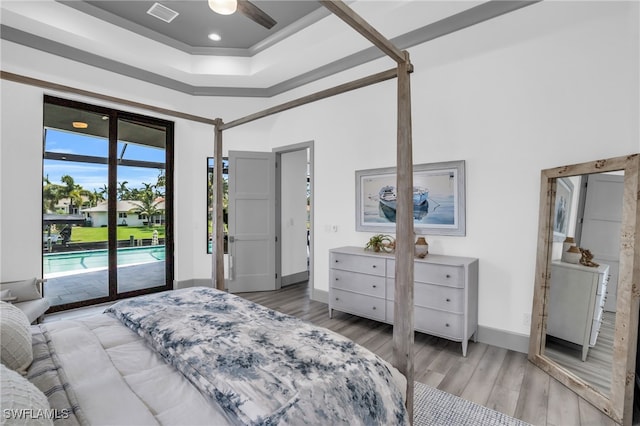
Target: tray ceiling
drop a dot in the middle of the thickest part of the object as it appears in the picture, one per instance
(306, 44)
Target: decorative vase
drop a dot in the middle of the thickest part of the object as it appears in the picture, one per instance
(422, 247)
(573, 255)
(567, 243)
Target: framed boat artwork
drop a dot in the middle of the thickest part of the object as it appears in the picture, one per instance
(438, 199)
(562, 211)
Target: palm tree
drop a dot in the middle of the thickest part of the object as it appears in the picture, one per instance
(147, 203)
(124, 193)
(95, 197)
(50, 195)
(161, 183)
(71, 191)
(104, 193)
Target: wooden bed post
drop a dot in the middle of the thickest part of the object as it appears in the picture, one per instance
(403, 321)
(403, 332)
(217, 243)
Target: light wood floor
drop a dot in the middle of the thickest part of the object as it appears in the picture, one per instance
(497, 378)
(596, 369)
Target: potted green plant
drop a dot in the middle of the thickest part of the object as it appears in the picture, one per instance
(381, 242)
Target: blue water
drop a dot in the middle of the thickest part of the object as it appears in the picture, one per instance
(90, 259)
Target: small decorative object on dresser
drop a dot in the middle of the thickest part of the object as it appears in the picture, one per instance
(567, 243)
(445, 291)
(572, 255)
(422, 247)
(381, 242)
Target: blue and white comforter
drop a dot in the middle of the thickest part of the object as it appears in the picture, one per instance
(261, 366)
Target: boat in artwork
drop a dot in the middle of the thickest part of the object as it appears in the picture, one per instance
(388, 198)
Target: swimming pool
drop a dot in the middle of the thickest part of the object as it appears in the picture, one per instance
(77, 261)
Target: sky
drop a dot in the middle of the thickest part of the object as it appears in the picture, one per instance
(94, 176)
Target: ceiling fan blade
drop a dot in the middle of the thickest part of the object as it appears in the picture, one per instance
(256, 14)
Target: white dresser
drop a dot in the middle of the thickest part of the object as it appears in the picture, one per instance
(576, 300)
(445, 293)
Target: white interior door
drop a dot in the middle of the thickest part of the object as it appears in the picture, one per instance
(601, 226)
(252, 180)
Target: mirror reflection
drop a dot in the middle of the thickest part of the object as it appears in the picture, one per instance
(584, 275)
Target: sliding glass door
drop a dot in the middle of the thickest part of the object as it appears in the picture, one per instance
(107, 210)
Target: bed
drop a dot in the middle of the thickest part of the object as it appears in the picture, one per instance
(203, 356)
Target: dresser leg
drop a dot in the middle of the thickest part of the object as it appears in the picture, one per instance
(330, 312)
(464, 347)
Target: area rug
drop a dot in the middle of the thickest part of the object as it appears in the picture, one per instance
(433, 407)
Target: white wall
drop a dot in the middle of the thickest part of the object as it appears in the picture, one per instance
(551, 84)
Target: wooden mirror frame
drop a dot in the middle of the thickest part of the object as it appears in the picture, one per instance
(619, 403)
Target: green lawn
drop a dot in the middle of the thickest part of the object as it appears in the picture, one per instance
(80, 234)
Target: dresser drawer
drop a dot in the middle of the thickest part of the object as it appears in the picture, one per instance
(365, 264)
(372, 285)
(359, 304)
(431, 321)
(438, 322)
(433, 296)
(452, 276)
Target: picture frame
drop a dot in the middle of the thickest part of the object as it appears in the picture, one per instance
(562, 208)
(439, 199)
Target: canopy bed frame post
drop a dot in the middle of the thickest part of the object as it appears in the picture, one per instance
(403, 320)
(217, 238)
(403, 332)
(403, 336)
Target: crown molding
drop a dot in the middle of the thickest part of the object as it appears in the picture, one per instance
(273, 39)
(457, 22)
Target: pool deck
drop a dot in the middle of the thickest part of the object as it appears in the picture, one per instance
(90, 285)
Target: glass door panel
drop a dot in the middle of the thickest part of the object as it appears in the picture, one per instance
(141, 177)
(74, 208)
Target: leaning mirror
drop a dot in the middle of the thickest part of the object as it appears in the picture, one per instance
(584, 321)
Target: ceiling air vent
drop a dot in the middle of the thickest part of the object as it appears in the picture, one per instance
(162, 12)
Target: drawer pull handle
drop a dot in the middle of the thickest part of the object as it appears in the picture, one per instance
(374, 308)
(337, 279)
(448, 300)
(374, 286)
(448, 276)
(447, 324)
(337, 298)
(374, 266)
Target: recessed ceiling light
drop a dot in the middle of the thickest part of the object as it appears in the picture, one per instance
(79, 125)
(215, 37)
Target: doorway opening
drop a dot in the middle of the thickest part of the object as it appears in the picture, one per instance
(294, 215)
(270, 212)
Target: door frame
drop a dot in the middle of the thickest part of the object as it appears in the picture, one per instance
(279, 151)
(114, 116)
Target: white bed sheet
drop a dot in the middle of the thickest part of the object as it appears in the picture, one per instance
(119, 380)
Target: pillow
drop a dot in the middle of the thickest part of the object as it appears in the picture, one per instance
(16, 351)
(22, 402)
(5, 295)
(23, 290)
